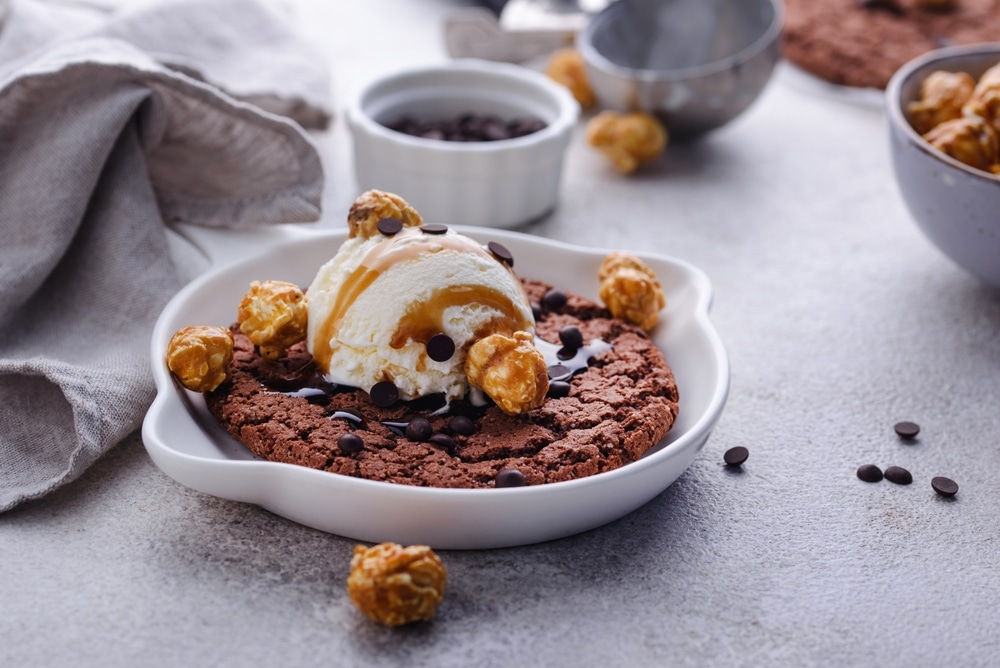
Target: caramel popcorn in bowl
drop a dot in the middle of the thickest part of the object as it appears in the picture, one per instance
(985, 99)
(960, 116)
(942, 96)
(969, 139)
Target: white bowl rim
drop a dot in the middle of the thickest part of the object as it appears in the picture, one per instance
(569, 109)
(598, 60)
(698, 431)
(894, 105)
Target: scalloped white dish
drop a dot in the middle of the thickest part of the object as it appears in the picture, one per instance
(187, 444)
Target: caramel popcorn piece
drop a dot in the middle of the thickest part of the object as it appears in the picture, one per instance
(630, 289)
(274, 315)
(566, 67)
(616, 260)
(942, 96)
(510, 370)
(199, 356)
(374, 205)
(395, 585)
(985, 99)
(628, 140)
(969, 139)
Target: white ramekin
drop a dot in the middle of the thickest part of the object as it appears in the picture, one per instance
(502, 183)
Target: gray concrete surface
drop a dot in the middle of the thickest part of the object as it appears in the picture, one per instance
(840, 319)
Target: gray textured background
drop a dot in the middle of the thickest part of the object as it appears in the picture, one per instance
(840, 319)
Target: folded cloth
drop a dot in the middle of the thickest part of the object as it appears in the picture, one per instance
(112, 124)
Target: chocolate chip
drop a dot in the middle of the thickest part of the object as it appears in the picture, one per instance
(282, 378)
(907, 430)
(434, 228)
(429, 403)
(558, 389)
(554, 300)
(465, 407)
(501, 253)
(440, 348)
(891, 6)
(462, 425)
(522, 127)
(467, 128)
(870, 473)
(510, 478)
(564, 354)
(494, 130)
(938, 7)
(350, 444)
(384, 394)
(404, 124)
(322, 399)
(471, 123)
(571, 337)
(736, 456)
(536, 311)
(560, 372)
(898, 475)
(419, 430)
(390, 226)
(444, 441)
(944, 486)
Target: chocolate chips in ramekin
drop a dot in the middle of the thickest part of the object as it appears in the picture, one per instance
(467, 128)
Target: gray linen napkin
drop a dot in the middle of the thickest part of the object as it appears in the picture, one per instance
(102, 140)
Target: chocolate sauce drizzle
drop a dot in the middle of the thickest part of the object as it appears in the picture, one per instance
(563, 363)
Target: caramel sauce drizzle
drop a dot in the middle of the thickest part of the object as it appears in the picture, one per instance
(425, 319)
(422, 317)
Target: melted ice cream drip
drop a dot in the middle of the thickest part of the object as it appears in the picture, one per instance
(563, 363)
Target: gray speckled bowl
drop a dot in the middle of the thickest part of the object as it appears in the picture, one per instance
(696, 64)
(957, 207)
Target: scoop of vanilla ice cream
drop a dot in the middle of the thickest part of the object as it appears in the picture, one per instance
(376, 304)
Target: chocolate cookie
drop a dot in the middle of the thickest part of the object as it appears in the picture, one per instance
(862, 43)
(607, 415)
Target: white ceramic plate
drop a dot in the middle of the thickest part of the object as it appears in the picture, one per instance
(184, 440)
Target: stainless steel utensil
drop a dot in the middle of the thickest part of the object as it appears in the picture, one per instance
(526, 29)
(696, 64)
